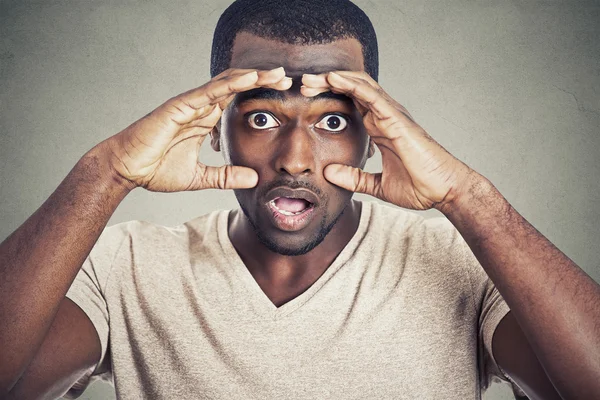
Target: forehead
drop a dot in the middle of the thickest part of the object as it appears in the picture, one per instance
(251, 51)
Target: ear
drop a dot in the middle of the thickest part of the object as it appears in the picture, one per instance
(371, 148)
(215, 137)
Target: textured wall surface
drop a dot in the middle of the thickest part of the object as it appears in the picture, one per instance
(510, 87)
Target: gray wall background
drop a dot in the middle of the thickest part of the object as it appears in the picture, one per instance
(510, 87)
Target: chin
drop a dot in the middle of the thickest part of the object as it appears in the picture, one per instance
(293, 243)
(288, 250)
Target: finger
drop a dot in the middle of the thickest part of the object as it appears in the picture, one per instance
(203, 124)
(284, 83)
(273, 79)
(312, 92)
(233, 71)
(217, 89)
(320, 80)
(364, 93)
(224, 177)
(269, 77)
(317, 84)
(315, 81)
(373, 98)
(360, 75)
(353, 179)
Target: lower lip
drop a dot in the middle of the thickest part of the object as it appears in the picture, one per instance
(291, 223)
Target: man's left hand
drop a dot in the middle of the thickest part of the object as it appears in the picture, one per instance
(417, 172)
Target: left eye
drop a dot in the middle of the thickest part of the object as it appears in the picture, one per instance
(262, 120)
(332, 123)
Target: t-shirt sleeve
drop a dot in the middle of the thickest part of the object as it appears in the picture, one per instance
(88, 292)
(491, 308)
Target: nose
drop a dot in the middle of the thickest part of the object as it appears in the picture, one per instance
(296, 152)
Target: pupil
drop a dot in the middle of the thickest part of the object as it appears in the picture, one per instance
(333, 122)
(260, 120)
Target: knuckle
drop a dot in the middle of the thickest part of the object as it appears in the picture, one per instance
(231, 87)
(222, 176)
(359, 180)
(225, 74)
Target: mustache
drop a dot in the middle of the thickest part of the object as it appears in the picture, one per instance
(292, 184)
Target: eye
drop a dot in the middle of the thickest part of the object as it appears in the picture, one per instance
(262, 120)
(332, 123)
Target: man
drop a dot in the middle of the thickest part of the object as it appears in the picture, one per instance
(303, 292)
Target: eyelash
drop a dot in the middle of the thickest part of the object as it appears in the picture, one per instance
(248, 116)
(249, 122)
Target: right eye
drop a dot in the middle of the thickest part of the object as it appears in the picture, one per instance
(262, 120)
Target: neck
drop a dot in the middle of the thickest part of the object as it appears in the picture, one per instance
(285, 277)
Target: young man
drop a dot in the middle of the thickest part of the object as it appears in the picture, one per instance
(303, 292)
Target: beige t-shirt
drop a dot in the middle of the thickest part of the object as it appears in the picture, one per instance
(405, 312)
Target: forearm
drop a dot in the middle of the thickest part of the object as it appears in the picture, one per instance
(555, 302)
(40, 260)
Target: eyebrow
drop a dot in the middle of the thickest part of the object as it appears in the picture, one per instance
(278, 95)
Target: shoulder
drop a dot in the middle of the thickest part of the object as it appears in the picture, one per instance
(144, 240)
(435, 232)
(139, 230)
(409, 237)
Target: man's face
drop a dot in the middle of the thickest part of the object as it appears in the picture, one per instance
(289, 139)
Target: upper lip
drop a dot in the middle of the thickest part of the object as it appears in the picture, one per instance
(283, 191)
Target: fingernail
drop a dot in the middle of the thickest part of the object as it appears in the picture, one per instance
(280, 69)
(309, 92)
(333, 74)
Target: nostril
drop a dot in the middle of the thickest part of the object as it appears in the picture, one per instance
(294, 171)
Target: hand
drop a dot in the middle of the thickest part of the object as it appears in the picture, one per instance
(417, 172)
(160, 151)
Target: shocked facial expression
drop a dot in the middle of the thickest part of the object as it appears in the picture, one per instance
(288, 139)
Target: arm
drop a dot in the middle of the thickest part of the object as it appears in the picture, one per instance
(40, 260)
(35, 274)
(514, 355)
(556, 304)
(69, 351)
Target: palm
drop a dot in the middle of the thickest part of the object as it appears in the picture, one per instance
(176, 170)
(163, 148)
(418, 173)
(415, 171)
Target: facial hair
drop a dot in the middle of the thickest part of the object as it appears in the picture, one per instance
(306, 247)
(268, 242)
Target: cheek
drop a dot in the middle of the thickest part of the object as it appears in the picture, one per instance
(351, 150)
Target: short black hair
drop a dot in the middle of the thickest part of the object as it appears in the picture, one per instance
(303, 22)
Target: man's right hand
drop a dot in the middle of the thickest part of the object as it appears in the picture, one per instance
(160, 151)
(40, 260)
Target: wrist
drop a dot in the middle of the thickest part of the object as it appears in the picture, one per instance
(100, 158)
(473, 193)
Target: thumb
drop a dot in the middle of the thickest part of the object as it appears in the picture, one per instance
(224, 177)
(353, 179)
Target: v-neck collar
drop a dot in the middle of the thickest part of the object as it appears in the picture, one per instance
(257, 296)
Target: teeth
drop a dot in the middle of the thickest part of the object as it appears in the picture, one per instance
(284, 212)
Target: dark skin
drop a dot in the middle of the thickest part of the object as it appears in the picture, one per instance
(53, 343)
(295, 152)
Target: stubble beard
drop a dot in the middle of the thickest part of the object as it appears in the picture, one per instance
(270, 244)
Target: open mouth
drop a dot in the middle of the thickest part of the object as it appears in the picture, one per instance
(290, 206)
(291, 210)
